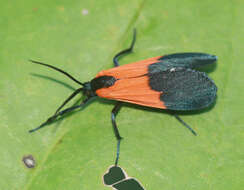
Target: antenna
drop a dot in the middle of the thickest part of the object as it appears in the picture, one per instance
(59, 70)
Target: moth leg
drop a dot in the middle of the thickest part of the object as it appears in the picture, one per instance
(126, 51)
(185, 124)
(58, 114)
(116, 131)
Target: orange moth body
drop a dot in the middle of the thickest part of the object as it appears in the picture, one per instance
(132, 84)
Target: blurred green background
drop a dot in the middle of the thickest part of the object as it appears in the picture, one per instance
(81, 37)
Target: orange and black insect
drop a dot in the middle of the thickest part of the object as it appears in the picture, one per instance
(166, 82)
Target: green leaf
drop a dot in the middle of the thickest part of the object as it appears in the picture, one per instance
(82, 38)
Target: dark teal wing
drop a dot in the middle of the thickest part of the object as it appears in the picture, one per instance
(183, 89)
(183, 60)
